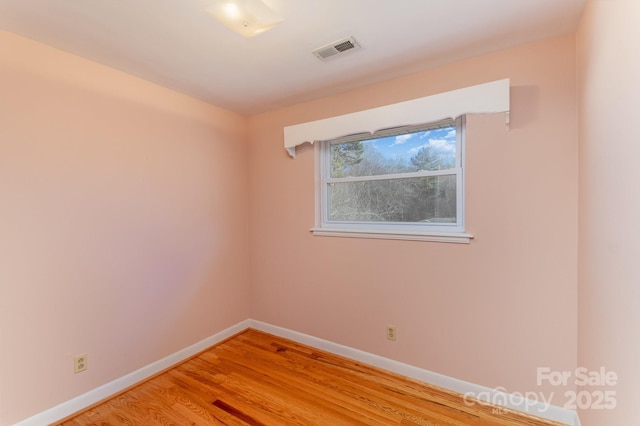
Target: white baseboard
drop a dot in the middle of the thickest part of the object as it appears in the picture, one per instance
(493, 396)
(103, 392)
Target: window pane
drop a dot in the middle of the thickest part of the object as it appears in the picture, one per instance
(427, 199)
(425, 150)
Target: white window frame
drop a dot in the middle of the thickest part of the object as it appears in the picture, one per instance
(418, 231)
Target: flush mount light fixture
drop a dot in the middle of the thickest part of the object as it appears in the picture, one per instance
(246, 17)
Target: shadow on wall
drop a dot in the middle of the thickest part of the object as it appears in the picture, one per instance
(525, 101)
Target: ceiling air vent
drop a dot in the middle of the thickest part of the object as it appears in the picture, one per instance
(336, 48)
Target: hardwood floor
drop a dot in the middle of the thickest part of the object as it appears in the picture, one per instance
(259, 379)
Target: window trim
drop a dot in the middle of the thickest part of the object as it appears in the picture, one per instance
(449, 233)
(439, 237)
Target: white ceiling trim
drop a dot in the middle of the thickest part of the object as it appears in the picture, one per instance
(484, 98)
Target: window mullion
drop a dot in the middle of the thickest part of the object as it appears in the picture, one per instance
(445, 172)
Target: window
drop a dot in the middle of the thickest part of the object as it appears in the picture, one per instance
(401, 183)
(404, 183)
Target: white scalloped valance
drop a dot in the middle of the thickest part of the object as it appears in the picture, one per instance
(484, 98)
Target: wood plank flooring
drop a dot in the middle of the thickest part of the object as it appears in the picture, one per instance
(258, 379)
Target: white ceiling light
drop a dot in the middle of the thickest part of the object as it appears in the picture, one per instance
(246, 17)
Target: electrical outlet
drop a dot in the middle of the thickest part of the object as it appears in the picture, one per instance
(391, 332)
(79, 363)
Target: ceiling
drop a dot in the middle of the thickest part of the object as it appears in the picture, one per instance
(176, 44)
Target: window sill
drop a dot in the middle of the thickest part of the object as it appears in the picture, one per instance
(440, 237)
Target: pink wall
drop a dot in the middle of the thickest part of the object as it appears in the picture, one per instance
(490, 312)
(123, 224)
(126, 227)
(609, 277)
